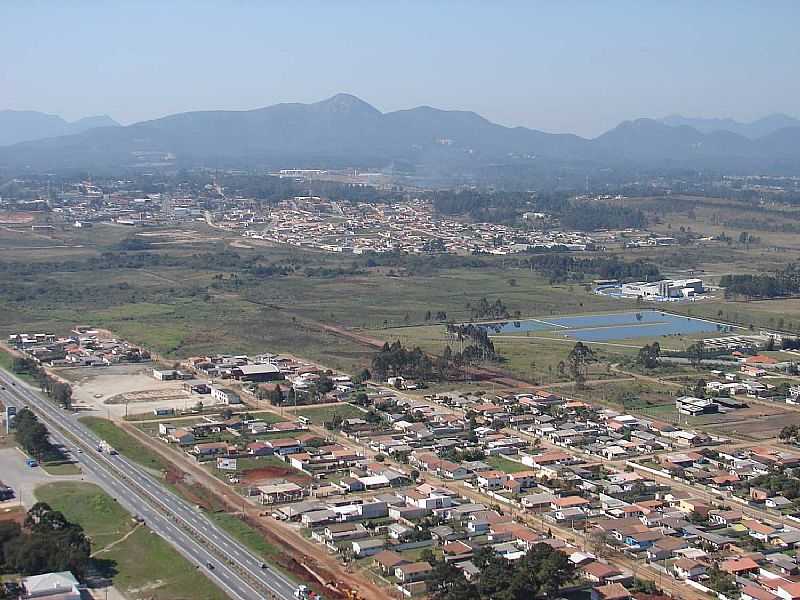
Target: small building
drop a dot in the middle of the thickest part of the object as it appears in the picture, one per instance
(417, 571)
(258, 373)
(612, 591)
(387, 561)
(57, 586)
(225, 396)
(281, 492)
(689, 405)
(686, 568)
(368, 547)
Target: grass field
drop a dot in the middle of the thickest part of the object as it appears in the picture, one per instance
(249, 536)
(320, 414)
(124, 443)
(143, 566)
(177, 311)
(503, 464)
(61, 467)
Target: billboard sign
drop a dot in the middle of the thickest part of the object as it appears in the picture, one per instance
(11, 412)
(226, 464)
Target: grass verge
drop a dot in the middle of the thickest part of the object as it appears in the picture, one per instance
(124, 443)
(142, 565)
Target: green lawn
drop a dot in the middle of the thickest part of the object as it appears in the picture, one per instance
(249, 536)
(124, 443)
(61, 467)
(6, 360)
(503, 464)
(143, 566)
(268, 416)
(320, 414)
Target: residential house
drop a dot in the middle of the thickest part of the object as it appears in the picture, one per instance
(612, 591)
(686, 568)
(410, 572)
(387, 561)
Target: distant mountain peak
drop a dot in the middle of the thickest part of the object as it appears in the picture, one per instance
(343, 102)
(27, 125)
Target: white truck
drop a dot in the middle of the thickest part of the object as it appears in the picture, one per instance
(104, 446)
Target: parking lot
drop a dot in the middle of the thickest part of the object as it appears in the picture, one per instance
(24, 479)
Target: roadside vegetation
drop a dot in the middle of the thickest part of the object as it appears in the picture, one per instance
(138, 563)
(125, 443)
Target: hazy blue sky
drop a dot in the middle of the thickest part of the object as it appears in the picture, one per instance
(558, 66)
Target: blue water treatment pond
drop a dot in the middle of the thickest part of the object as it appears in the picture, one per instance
(617, 326)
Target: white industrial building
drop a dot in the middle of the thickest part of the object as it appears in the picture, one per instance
(665, 289)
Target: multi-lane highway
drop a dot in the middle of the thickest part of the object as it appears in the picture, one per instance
(236, 570)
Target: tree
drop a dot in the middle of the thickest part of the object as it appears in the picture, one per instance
(648, 355)
(363, 376)
(62, 393)
(578, 362)
(696, 353)
(446, 582)
(722, 582)
(700, 388)
(32, 435)
(48, 542)
(361, 399)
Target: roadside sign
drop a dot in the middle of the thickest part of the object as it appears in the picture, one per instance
(226, 464)
(11, 413)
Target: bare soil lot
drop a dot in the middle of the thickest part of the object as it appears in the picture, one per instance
(757, 422)
(108, 389)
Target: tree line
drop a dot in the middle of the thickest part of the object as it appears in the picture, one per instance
(784, 282)
(33, 436)
(57, 391)
(561, 267)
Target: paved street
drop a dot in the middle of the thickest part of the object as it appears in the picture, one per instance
(223, 559)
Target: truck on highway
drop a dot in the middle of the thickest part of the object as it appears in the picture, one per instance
(104, 446)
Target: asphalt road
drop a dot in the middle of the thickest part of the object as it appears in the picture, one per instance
(233, 567)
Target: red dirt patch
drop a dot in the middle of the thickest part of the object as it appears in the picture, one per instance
(194, 493)
(13, 514)
(15, 218)
(264, 474)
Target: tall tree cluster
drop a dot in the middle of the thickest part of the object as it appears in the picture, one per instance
(33, 436)
(46, 542)
(542, 572)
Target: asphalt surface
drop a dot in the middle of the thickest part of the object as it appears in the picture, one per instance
(24, 479)
(235, 569)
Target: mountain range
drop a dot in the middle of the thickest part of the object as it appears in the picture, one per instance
(752, 130)
(346, 131)
(25, 125)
